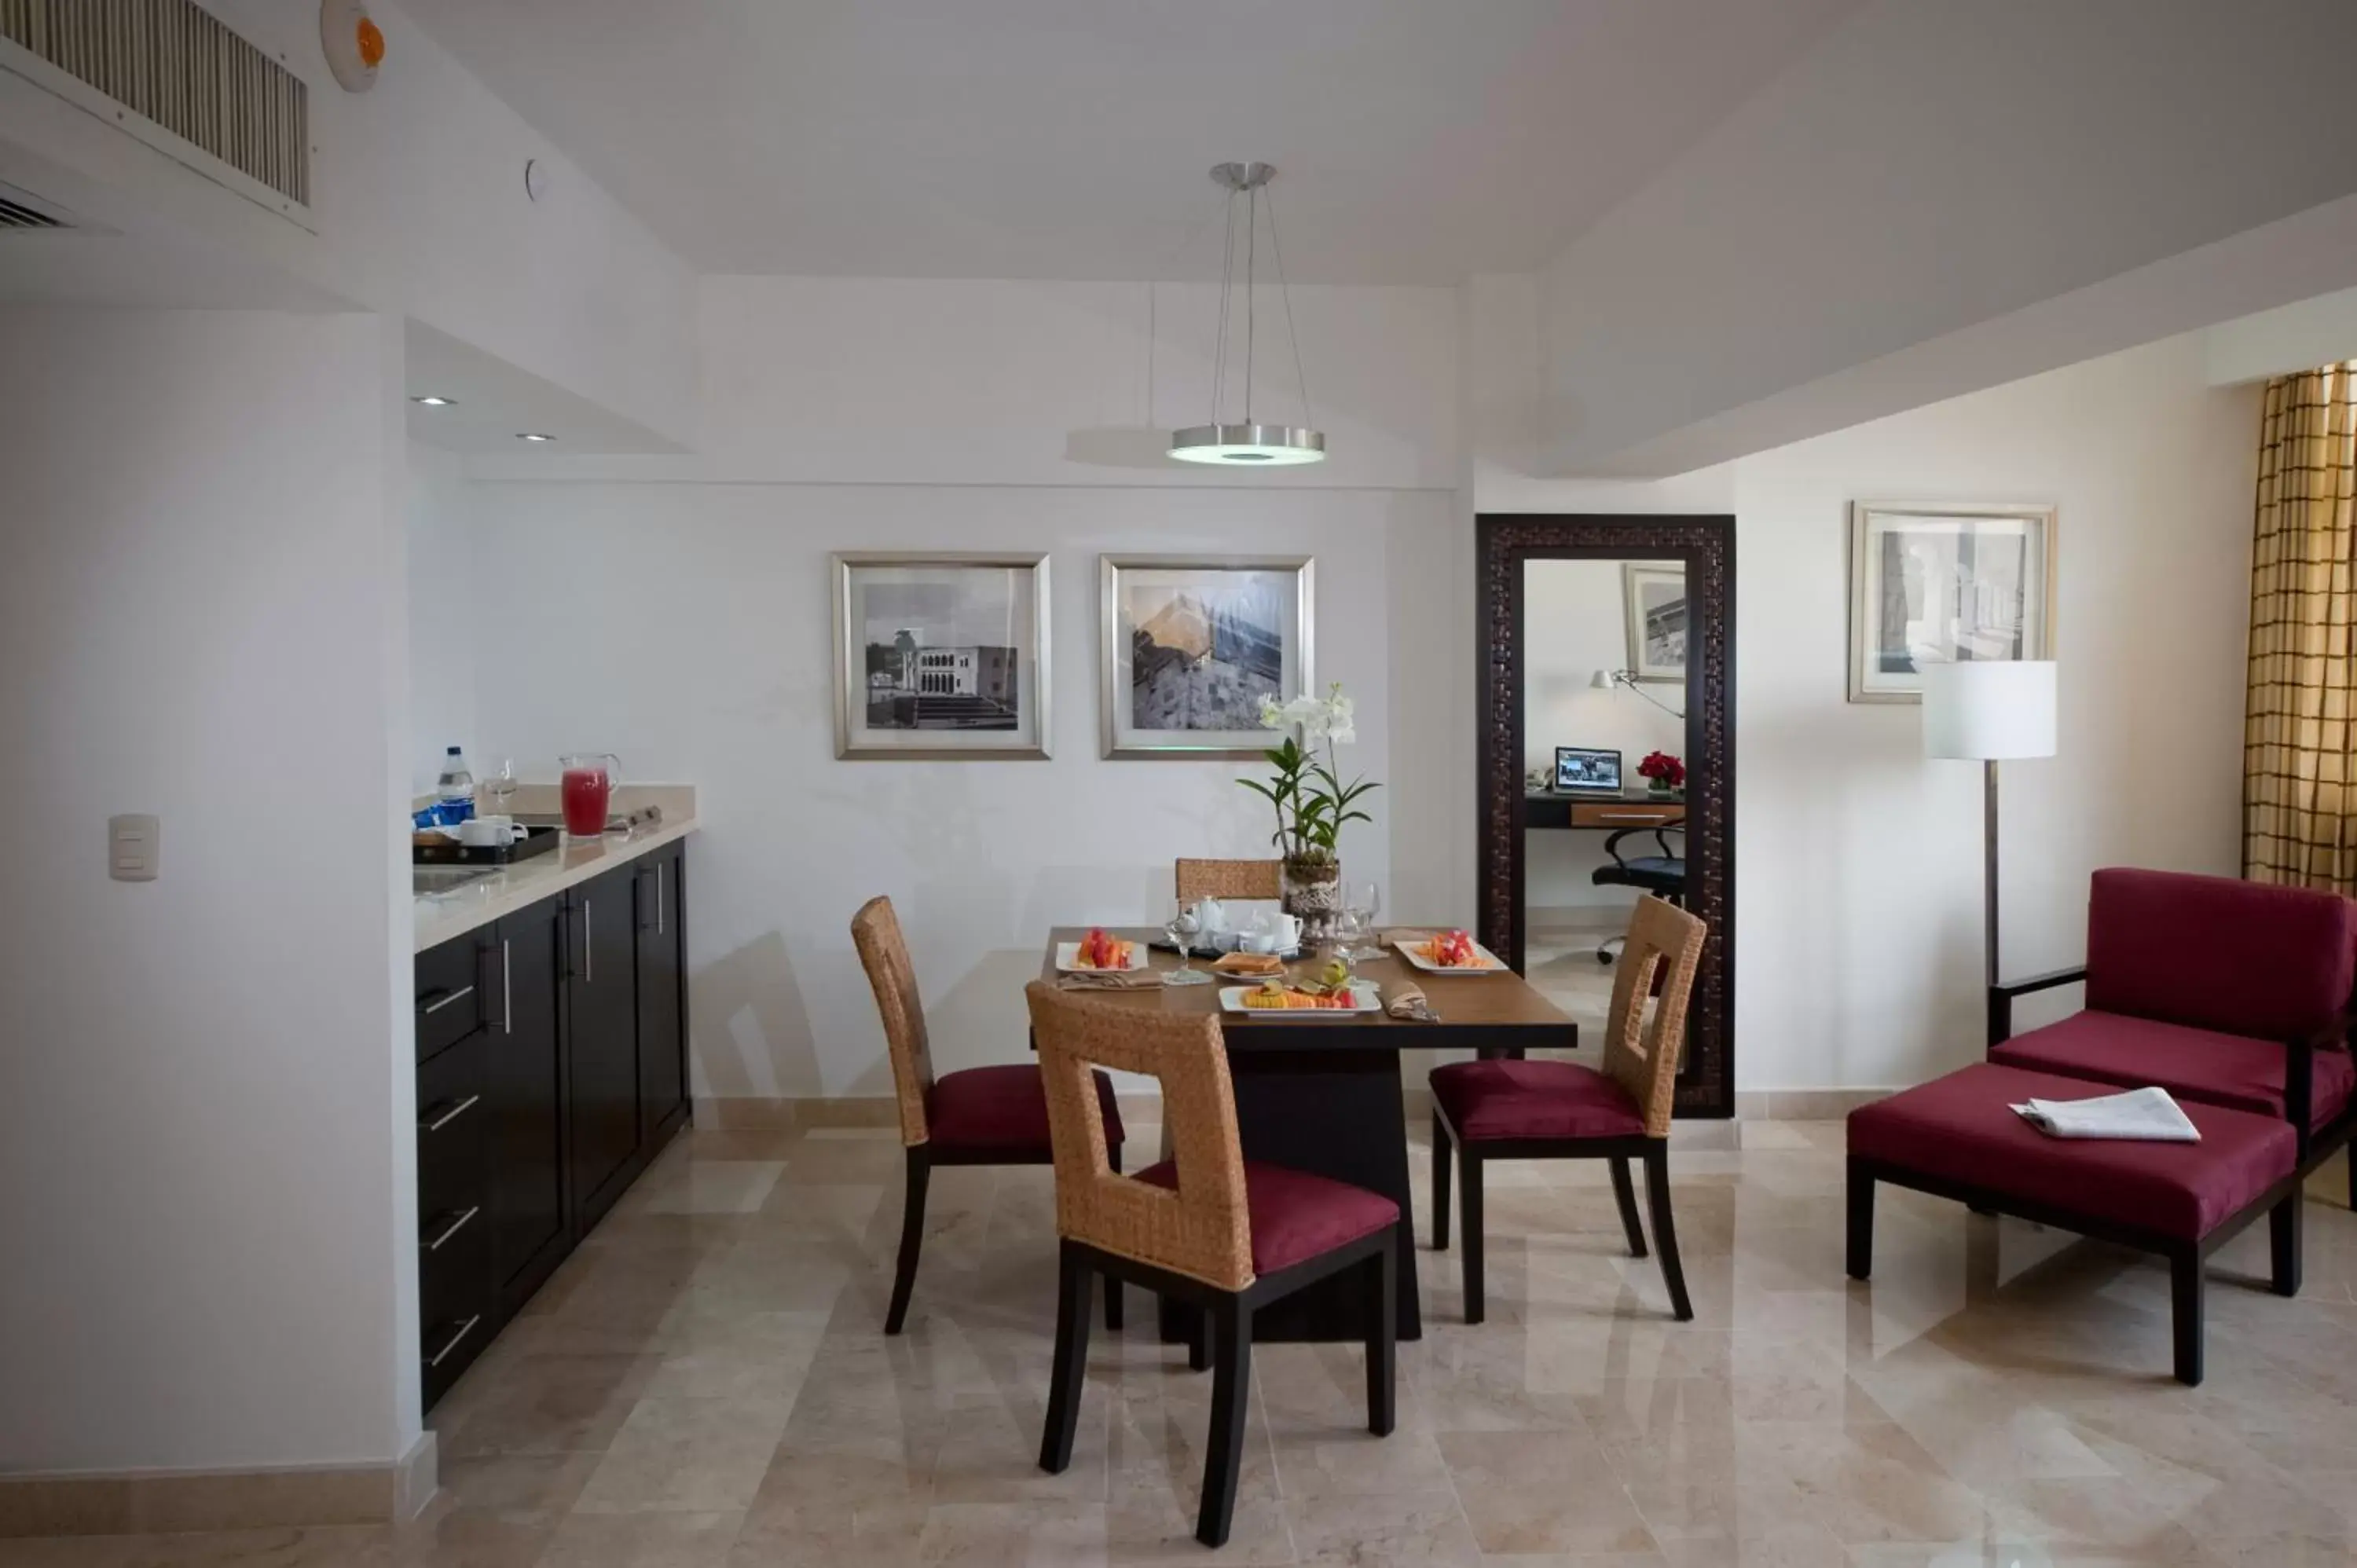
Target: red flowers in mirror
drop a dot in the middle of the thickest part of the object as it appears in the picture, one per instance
(1665, 771)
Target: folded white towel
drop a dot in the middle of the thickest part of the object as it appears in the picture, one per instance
(2146, 1114)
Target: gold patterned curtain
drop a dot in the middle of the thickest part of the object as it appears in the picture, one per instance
(2299, 773)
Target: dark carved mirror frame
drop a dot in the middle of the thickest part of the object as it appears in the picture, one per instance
(1505, 542)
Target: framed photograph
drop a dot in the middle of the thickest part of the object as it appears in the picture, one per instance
(940, 656)
(1189, 646)
(1941, 583)
(1654, 594)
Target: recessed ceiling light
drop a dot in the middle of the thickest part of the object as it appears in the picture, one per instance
(532, 435)
(430, 401)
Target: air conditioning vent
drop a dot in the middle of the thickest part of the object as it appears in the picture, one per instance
(178, 67)
(18, 212)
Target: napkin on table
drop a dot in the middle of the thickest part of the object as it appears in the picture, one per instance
(2142, 1114)
(1111, 979)
(1406, 999)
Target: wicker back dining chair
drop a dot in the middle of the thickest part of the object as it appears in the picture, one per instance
(1229, 880)
(1564, 1111)
(1207, 1227)
(977, 1116)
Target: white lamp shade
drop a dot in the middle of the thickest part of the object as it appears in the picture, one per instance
(1989, 709)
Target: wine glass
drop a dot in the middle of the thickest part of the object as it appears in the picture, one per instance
(1362, 902)
(1182, 929)
(500, 788)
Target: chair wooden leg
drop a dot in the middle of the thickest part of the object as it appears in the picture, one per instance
(1112, 1285)
(912, 1237)
(1624, 1193)
(1382, 1338)
(1861, 1223)
(1231, 1399)
(1198, 1343)
(2349, 1158)
(1665, 1230)
(1468, 1221)
(1073, 1289)
(2284, 1243)
(2185, 1285)
(1442, 1151)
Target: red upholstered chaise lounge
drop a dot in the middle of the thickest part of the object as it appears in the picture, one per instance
(2225, 992)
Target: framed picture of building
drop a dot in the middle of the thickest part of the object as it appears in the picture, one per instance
(940, 656)
(1943, 583)
(1190, 645)
(1654, 596)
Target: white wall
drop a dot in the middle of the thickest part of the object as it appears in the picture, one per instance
(203, 1176)
(442, 613)
(1857, 862)
(1575, 623)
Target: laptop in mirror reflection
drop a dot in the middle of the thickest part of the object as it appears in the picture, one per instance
(1586, 770)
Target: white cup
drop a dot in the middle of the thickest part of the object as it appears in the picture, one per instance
(488, 833)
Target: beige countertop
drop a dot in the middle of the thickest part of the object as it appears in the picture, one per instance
(442, 916)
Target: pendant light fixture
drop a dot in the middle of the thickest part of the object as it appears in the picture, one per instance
(1248, 443)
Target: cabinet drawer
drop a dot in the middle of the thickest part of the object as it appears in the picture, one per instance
(454, 1129)
(450, 1001)
(453, 1296)
(1608, 814)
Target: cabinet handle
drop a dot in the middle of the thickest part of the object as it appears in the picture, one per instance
(453, 1229)
(451, 1343)
(445, 999)
(450, 1116)
(659, 898)
(507, 992)
(588, 945)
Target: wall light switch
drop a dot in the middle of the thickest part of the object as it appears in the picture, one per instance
(131, 848)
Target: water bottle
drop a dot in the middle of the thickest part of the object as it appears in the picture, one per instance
(455, 789)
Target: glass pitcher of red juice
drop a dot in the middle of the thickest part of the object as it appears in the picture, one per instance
(586, 786)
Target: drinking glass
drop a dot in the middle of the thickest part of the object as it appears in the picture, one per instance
(1182, 929)
(1362, 902)
(500, 788)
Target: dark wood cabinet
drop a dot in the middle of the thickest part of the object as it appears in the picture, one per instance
(602, 1037)
(524, 1090)
(551, 1068)
(662, 1018)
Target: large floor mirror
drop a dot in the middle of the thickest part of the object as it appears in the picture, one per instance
(1607, 757)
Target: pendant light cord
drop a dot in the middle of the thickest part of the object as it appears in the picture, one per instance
(1293, 335)
(1252, 247)
(1227, 288)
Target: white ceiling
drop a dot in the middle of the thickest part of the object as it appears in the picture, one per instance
(1416, 141)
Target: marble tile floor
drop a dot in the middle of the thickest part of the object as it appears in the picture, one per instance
(706, 1385)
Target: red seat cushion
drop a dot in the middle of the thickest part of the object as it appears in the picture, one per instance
(1962, 1128)
(1534, 1099)
(1001, 1107)
(2210, 952)
(1296, 1215)
(2191, 1064)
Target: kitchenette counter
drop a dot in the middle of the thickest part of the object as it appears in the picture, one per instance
(442, 916)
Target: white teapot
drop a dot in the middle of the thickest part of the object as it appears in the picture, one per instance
(1211, 918)
(1274, 931)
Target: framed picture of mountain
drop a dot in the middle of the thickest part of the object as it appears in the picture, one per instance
(940, 656)
(1189, 646)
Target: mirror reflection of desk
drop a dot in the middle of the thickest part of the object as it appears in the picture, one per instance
(1550, 808)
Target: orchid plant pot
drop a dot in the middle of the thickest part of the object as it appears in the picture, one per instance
(1313, 894)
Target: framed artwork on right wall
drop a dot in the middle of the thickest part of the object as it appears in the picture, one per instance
(1942, 583)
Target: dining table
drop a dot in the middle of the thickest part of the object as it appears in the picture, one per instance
(1320, 1091)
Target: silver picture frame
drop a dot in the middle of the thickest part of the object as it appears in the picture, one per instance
(977, 676)
(1291, 600)
(1975, 581)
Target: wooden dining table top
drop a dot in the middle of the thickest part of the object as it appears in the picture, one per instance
(1493, 1007)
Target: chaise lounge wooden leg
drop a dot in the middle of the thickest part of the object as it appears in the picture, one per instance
(1112, 1285)
(2185, 1284)
(1073, 1289)
(1231, 1400)
(2284, 1243)
(912, 1238)
(1442, 1151)
(1469, 1218)
(1861, 1222)
(1665, 1230)
(1624, 1193)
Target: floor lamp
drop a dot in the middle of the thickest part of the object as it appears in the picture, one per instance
(1989, 711)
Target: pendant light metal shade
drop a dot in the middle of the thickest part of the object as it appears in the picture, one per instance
(1247, 443)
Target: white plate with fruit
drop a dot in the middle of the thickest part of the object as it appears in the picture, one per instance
(1448, 952)
(1098, 952)
(1277, 998)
